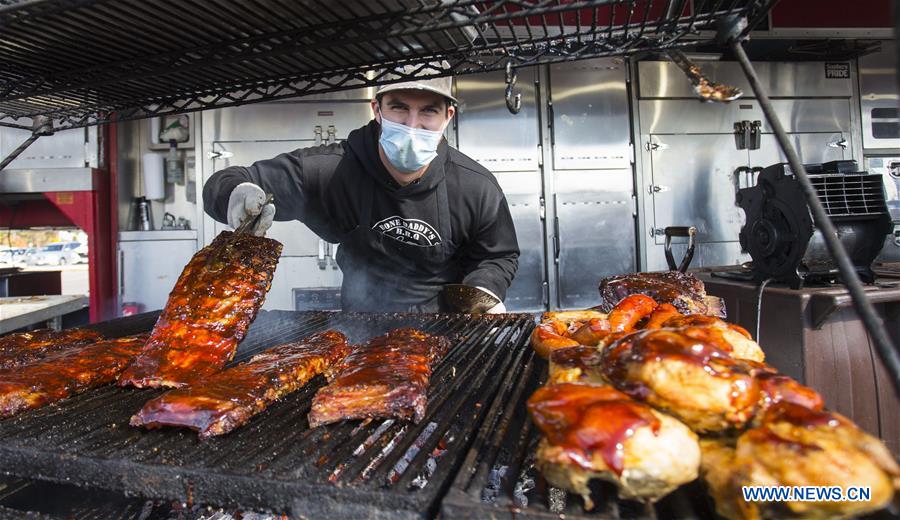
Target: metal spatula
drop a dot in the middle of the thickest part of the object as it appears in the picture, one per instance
(457, 297)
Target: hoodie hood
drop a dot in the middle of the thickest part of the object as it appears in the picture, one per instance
(363, 142)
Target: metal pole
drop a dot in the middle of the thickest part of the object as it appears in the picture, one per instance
(15, 153)
(883, 344)
(41, 125)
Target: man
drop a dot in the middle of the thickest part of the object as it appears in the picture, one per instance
(410, 213)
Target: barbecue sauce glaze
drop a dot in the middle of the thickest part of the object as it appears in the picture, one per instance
(622, 362)
(208, 312)
(385, 377)
(25, 348)
(584, 419)
(229, 399)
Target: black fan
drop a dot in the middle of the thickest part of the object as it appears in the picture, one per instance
(779, 233)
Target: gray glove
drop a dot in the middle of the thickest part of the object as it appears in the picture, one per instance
(246, 201)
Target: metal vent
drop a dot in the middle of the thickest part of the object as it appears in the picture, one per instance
(850, 195)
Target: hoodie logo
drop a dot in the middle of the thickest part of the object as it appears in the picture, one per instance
(409, 231)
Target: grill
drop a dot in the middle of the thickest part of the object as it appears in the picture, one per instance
(471, 457)
(499, 478)
(21, 498)
(382, 468)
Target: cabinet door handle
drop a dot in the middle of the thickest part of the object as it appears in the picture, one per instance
(121, 272)
(842, 144)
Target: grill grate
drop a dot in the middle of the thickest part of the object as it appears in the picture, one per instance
(85, 62)
(382, 468)
(21, 498)
(851, 194)
(498, 476)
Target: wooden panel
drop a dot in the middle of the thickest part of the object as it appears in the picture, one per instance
(838, 360)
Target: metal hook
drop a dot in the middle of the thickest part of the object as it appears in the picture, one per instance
(513, 101)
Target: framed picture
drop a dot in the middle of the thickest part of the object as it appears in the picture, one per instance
(179, 127)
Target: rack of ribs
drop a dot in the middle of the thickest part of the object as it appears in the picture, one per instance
(385, 377)
(26, 348)
(66, 373)
(683, 290)
(208, 313)
(229, 399)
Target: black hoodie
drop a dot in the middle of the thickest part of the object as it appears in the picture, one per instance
(401, 257)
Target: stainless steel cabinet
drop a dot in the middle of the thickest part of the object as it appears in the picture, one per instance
(815, 147)
(595, 230)
(523, 193)
(694, 186)
(75, 148)
(150, 263)
(488, 133)
(508, 146)
(878, 99)
(592, 182)
(590, 115)
(568, 179)
(691, 167)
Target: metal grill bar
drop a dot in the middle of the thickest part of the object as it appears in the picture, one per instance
(498, 476)
(377, 468)
(78, 60)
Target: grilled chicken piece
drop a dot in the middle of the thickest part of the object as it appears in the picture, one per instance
(576, 365)
(229, 399)
(549, 336)
(25, 348)
(693, 379)
(729, 337)
(208, 313)
(594, 431)
(66, 373)
(776, 388)
(682, 290)
(661, 314)
(385, 377)
(570, 317)
(796, 446)
(566, 329)
(622, 318)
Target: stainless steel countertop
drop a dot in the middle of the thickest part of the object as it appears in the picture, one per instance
(20, 311)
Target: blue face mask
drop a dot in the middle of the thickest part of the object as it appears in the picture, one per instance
(408, 149)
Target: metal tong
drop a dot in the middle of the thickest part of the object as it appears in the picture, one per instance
(251, 223)
(244, 228)
(706, 89)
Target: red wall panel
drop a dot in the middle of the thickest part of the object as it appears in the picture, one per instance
(832, 13)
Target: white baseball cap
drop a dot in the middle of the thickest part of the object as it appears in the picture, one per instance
(442, 86)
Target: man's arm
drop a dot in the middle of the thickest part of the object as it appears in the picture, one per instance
(491, 259)
(282, 176)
